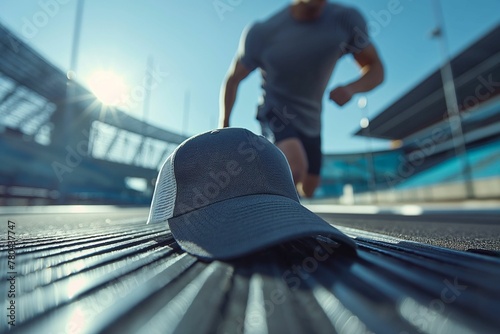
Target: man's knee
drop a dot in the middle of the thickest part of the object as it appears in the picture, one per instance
(308, 192)
(309, 185)
(299, 171)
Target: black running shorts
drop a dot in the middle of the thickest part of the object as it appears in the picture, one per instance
(277, 129)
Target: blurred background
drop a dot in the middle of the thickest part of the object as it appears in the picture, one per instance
(95, 95)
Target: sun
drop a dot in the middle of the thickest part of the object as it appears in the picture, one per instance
(108, 87)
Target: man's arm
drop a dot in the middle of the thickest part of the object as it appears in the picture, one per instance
(372, 75)
(235, 75)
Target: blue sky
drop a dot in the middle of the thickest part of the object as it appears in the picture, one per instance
(192, 44)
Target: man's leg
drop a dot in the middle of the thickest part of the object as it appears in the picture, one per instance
(311, 179)
(308, 186)
(296, 156)
(305, 165)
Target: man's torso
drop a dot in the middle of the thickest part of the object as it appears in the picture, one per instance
(297, 60)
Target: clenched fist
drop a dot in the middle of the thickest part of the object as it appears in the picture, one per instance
(341, 95)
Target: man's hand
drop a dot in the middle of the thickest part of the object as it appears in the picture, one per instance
(341, 95)
(372, 75)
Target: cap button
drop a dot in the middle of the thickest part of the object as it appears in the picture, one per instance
(214, 132)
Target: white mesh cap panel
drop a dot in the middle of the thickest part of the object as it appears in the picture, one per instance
(163, 202)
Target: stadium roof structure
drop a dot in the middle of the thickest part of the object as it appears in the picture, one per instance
(424, 105)
(26, 67)
(51, 125)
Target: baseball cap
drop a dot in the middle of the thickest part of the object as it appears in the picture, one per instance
(227, 193)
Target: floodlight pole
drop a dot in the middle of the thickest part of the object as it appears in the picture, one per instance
(147, 88)
(145, 110)
(451, 102)
(187, 99)
(68, 116)
(370, 164)
(76, 36)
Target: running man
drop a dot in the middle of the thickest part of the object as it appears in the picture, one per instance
(296, 50)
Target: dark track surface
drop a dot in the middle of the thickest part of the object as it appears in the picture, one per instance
(108, 272)
(467, 226)
(456, 231)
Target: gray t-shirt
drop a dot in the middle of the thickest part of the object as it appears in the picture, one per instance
(297, 58)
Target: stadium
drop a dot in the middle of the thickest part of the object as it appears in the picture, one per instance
(426, 163)
(410, 239)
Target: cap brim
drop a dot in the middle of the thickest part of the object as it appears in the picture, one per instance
(242, 225)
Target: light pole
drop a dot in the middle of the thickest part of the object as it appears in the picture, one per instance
(185, 118)
(69, 111)
(140, 156)
(370, 166)
(450, 96)
(76, 39)
(68, 115)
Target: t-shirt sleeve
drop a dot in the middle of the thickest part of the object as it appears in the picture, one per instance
(248, 48)
(359, 38)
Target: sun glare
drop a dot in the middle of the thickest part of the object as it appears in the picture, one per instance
(108, 87)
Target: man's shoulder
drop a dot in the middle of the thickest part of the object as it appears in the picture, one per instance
(270, 22)
(344, 15)
(335, 8)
